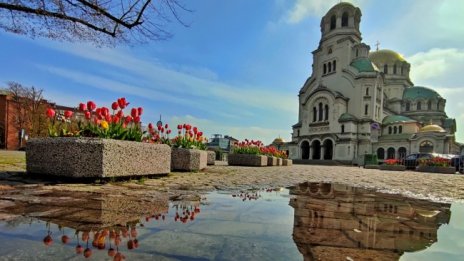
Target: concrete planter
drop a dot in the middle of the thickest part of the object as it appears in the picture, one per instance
(279, 161)
(188, 159)
(247, 160)
(272, 161)
(211, 157)
(96, 158)
(393, 167)
(436, 169)
(287, 162)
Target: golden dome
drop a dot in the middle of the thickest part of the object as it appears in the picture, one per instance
(278, 141)
(385, 56)
(432, 128)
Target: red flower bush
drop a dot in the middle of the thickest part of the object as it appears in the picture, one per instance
(392, 162)
(435, 162)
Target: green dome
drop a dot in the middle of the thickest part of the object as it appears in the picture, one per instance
(364, 65)
(347, 117)
(418, 92)
(396, 119)
(385, 56)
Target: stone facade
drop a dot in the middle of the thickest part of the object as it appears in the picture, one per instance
(96, 158)
(358, 101)
(247, 160)
(188, 159)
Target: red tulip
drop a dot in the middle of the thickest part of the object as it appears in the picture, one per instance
(168, 131)
(200, 134)
(48, 240)
(122, 103)
(140, 111)
(50, 113)
(108, 118)
(166, 126)
(114, 106)
(105, 111)
(91, 105)
(179, 127)
(195, 130)
(134, 112)
(116, 119)
(87, 115)
(128, 120)
(120, 114)
(162, 130)
(137, 119)
(150, 126)
(82, 107)
(68, 114)
(159, 127)
(98, 111)
(188, 127)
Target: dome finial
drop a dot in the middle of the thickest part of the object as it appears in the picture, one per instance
(377, 45)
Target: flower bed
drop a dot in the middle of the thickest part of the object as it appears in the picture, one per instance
(253, 153)
(392, 165)
(436, 165)
(96, 157)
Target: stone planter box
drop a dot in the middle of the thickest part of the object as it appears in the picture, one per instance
(393, 167)
(272, 161)
(287, 162)
(188, 159)
(247, 160)
(211, 157)
(279, 161)
(435, 169)
(96, 158)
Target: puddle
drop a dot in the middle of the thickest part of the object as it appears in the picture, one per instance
(312, 221)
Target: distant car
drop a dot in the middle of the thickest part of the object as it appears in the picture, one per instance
(458, 162)
(412, 160)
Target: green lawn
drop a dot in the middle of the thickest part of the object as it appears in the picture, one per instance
(12, 160)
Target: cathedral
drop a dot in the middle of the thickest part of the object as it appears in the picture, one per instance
(359, 101)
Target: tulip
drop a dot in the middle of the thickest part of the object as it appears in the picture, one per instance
(108, 118)
(116, 119)
(120, 114)
(82, 107)
(162, 130)
(140, 111)
(104, 125)
(168, 131)
(137, 119)
(114, 106)
(195, 130)
(150, 126)
(91, 105)
(134, 112)
(87, 115)
(122, 103)
(68, 114)
(179, 127)
(166, 126)
(98, 111)
(50, 113)
(105, 111)
(128, 120)
(200, 133)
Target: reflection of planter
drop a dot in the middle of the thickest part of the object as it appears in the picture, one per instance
(211, 157)
(188, 159)
(392, 167)
(271, 161)
(287, 162)
(372, 167)
(96, 158)
(436, 169)
(247, 160)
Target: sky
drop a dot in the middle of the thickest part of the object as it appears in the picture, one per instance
(238, 68)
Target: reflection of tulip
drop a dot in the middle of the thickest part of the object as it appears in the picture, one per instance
(65, 239)
(130, 244)
(50, 113)
(82, 107)
(119, 257)
(79, 249)
(87, 253)
(133, 232)
(48, 240)
(85, 236)
(111, 252)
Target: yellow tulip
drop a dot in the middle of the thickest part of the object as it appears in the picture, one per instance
(104, 125)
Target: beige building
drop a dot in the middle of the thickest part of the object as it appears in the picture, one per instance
(359, 101)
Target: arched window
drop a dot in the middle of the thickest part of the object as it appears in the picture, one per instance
(390, 153)
(438, 106)
(394, 69)
(385, 69)
(366, 109)
(429, 105)
(395, 130)
(324, 69)
(320, 111)
(426, 147)
(357, 52)
(400, 129)
(380, 153)
(402, 69)
(390, 130)
(314, 114)
(345, 19)
(330, 67)
(408, 106)
(333, 22)
(343, 128)
(334, 65)
(419, 106)
(367, 91)
(326, 108)
(330, 51)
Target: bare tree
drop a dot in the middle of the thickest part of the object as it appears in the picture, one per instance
(102, 22)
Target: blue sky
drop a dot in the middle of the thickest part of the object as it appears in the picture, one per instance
(238, 68)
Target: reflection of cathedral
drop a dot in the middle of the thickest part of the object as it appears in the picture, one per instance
(332, 222)
(357, 101)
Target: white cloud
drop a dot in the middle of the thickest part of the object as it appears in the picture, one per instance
(318, 8)
(209, 127)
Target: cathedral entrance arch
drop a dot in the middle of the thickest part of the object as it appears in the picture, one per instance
(305, 150)
(426, 147)
(380, 153)
(391, 153)
(328, 149)
(316, 149)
